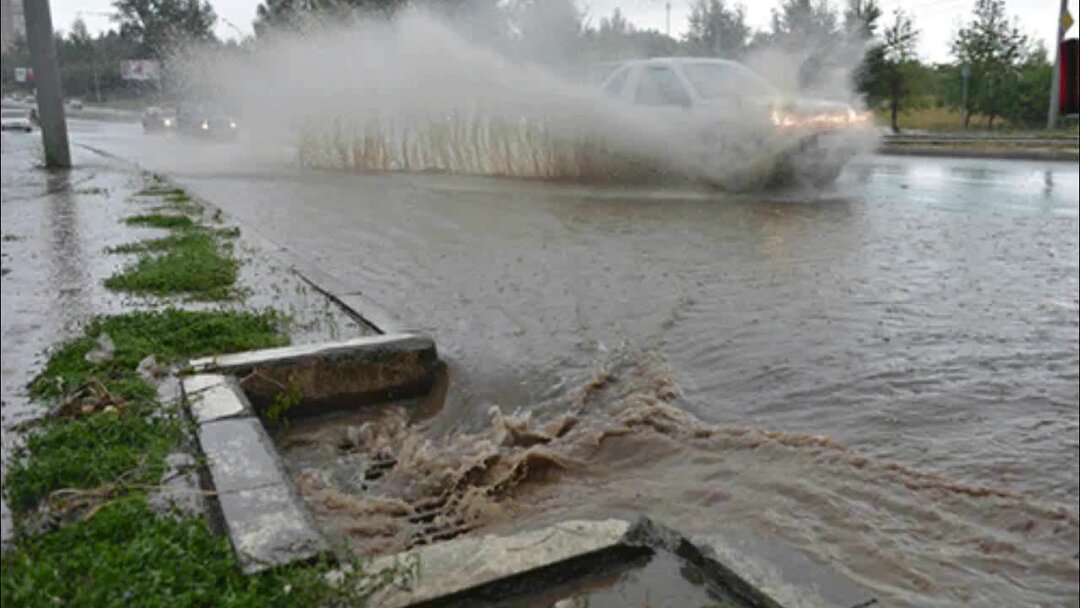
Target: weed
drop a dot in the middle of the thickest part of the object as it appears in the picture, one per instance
(290, 396)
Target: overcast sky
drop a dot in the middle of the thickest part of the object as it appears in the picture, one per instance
(937, 19)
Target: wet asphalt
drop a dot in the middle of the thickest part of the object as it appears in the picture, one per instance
(925, 309)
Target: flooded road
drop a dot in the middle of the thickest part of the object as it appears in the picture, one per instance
(922, 317)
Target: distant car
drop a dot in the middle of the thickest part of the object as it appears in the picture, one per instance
(16, 120)
(156, 119)
(740, 121)
(75, 104)
(207, 122)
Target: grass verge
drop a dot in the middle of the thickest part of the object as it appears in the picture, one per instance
(109, 425)
(169, 335)
(126, 555)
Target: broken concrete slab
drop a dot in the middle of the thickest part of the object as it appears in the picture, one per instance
(334, 375)
(479, 571)
(785, 576)
(453, 567)
(269, 527)
(240, 455)
(214, 397)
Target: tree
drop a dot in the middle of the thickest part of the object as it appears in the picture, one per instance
(288, 14)
(797, 23)
(860, 19)
(900, 64)
(157, 26)
(716, 29)
(994, 48)
(860, 28)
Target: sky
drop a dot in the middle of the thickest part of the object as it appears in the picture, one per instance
(936, 19)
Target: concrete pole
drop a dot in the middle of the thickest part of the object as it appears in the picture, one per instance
(1055, 82)
(50, 99)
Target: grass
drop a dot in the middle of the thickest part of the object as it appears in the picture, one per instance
(107, 452)
(161, 220)
(125, 556)
(169, 335)
(90, 452)
(193, 260)
(130, 440)
(193, 264)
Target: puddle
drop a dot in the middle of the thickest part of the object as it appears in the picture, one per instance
(661, 580)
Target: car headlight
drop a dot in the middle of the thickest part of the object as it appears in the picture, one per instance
(232, 124)
(167, 122)
(205, 126)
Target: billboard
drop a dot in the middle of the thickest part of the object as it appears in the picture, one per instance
(24, 74)
(140, 69)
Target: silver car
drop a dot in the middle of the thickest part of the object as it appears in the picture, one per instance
(748, 134)
(16, 120)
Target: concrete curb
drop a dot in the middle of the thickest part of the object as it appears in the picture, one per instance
(265, 518)
(263, 513)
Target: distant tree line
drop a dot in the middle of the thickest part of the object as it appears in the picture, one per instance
(1008, 73)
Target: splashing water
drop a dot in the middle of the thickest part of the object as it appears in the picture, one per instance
(623, 446)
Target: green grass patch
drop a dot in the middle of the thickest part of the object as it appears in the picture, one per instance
(194, 263)
(169, 335)
(126, 556)
(133, 438)
(161, 190)
(90, 452)
(161, 220)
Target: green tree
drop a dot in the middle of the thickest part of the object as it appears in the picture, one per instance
(717, 29)
(995, 48)
(900, 66)
(797, 23)
(157, 26)
(861, 32)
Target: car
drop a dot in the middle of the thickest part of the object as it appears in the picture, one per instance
(16, 120)
(746, 133)
(158, 119)
(208, 122)
(75, 104)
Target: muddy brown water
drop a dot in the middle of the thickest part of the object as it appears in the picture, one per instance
(885, 375)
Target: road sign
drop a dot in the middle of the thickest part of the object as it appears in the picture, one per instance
(24, 74)
(1066, 21)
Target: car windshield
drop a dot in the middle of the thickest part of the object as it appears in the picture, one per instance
(713, 80)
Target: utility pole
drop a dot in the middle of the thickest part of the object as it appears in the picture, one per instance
(668, 30)
(1055, 82)
(50, 100)
(965, 73)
